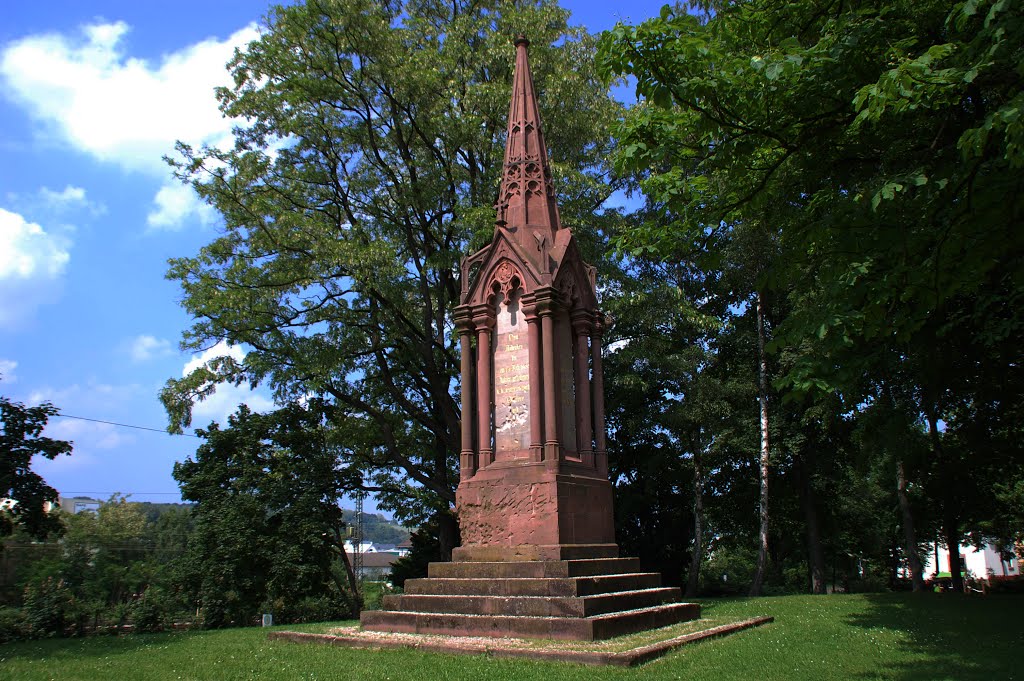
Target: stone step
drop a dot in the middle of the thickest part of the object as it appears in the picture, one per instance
(533, 606)
(494, 554)
(545, 568)
(533, 586)
(501, 626)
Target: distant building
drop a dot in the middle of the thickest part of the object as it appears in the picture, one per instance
(364, 547)
(376, 566)
(79, 504)
(987, 563)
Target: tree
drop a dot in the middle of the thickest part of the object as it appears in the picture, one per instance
(661, 409)
(268, 526)
(21, 438)
(369, 162)
(883, 143)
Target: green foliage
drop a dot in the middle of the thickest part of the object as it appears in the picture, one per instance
(14, 625)
(267, 522)
(149, 612)
(859, 164)
(47, 606)
(109, 568)
(881, 139)
(367, 164)
(21, 439)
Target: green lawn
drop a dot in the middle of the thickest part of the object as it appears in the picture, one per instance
(881, 636)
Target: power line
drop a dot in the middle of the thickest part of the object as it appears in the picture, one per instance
(107, 494)
(123, 425)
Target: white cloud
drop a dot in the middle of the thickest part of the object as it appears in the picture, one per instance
(50, 469)
(27, 251)
(7, 367)
(91, 395)
(70, 198)
(31, 264)
(87, 435)
(225, 401)
(174, 205)
(123, 109)
(119, 108)
(69, 195)
(144, 348)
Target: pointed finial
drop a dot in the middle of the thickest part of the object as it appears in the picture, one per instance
(526, 199)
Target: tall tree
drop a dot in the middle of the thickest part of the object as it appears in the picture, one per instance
(369, 163)
(21, 438)
(883, 141)
(267, 521)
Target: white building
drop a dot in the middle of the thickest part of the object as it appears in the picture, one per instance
(983, 563)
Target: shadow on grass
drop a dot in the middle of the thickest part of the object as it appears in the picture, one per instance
(949, 636)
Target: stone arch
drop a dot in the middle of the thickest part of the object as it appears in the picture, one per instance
(505, 278)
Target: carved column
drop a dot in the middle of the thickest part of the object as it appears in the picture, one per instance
(536, 384)
(484, 394)
(600, 442)
(467, 457)
(581, 324)
(545, 307)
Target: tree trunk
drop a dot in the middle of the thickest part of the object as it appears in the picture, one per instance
(951, 529)
(353, 581)
(693, 578)
(951, 525)
(762, 397)
(815, 554)
(447, 534)
(909, 535)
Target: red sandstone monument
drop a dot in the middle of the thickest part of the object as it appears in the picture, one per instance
(534, 502)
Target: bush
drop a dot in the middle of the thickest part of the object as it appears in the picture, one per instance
(149, 613)
(728, 572)
(1006, 586)
(117, 616)
(47, 604)
(374, 593)
(311, 609)
(13, 625)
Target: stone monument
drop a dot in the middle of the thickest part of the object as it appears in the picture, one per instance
(534, 502)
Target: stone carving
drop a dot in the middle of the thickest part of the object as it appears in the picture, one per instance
(506, 279)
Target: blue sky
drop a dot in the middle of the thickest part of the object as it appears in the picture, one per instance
(92, 95)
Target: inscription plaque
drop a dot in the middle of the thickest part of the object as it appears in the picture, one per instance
(511, 380)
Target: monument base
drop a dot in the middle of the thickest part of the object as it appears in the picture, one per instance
(583, 599)
(517, 505)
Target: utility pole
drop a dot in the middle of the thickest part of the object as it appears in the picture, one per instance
(357, 540)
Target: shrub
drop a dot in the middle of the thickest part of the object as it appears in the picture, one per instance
(13, 625)
(312, 609)
(149, 613)
(46, 608)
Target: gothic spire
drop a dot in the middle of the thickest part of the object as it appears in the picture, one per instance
(526, 201)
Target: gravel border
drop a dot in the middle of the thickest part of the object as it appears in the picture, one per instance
(353, 637)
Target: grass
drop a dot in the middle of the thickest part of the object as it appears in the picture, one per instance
(876, 636)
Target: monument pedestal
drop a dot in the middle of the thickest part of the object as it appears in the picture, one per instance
(522, 505)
